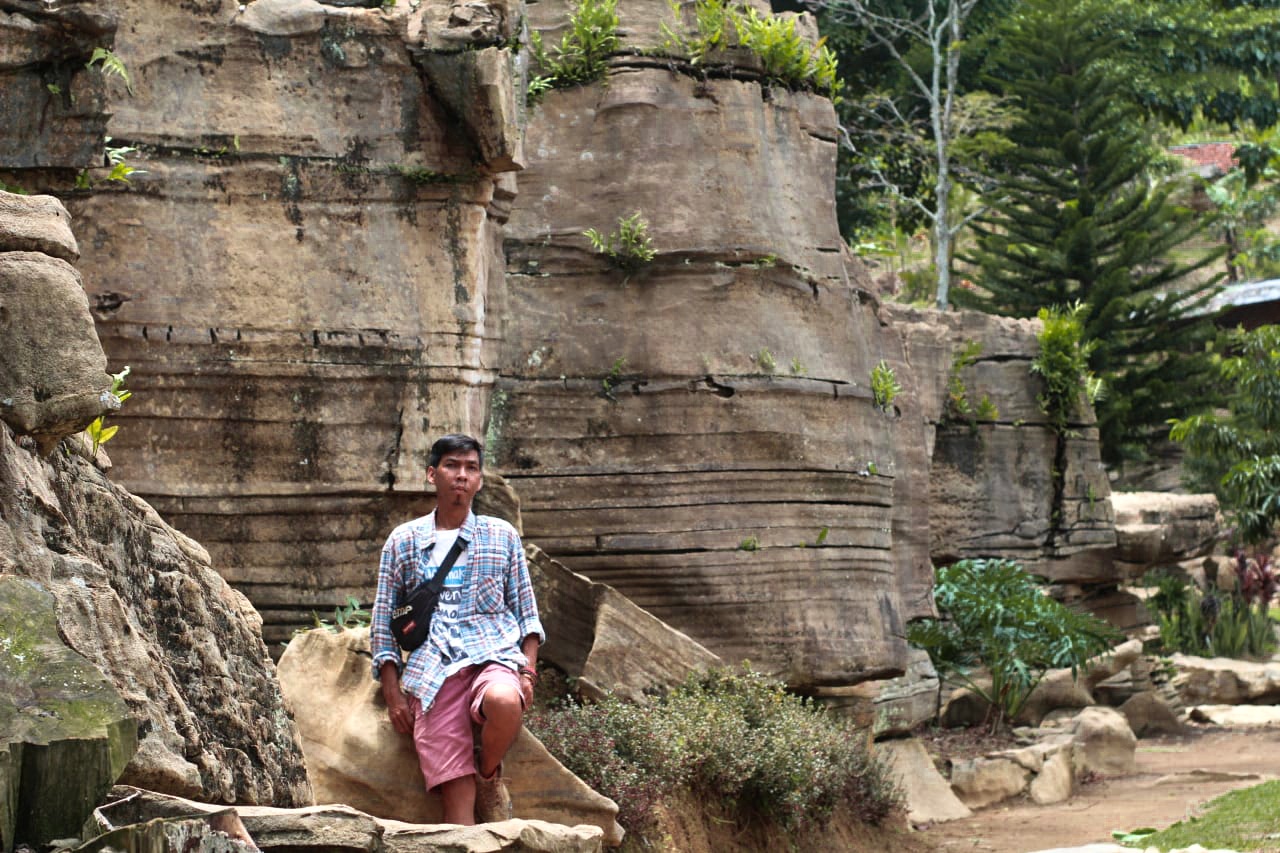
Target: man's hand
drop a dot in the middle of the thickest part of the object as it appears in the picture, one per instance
(526, 689)
(397, 705)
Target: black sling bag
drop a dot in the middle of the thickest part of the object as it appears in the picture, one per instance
(411, 621)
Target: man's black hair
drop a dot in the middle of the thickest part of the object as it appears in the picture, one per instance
(452, 443)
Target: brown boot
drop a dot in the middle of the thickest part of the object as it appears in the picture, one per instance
(493, 802)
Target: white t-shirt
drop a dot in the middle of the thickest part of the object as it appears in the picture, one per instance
(455, 658)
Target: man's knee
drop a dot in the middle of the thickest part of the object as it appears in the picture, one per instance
(502, 701)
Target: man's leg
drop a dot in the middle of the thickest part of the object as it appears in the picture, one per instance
(459, 799)
(497, 705)
(502, 707)
(442, 736)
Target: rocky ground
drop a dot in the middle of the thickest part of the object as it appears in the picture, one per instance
(1176, 776)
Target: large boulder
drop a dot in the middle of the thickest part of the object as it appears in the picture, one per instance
(65, 733)
(603, 640)
(1063, 688)
(142, 603)
(355, 757)
(1226, 681)
(1159, 529)
(53, 378)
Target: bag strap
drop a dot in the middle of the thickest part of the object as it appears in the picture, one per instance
(437, 581)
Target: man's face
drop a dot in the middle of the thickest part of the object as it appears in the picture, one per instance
(457, 478)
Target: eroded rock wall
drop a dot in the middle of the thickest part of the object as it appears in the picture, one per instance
(330, 259)
(700, 434)
(303, 276)
(135, 598)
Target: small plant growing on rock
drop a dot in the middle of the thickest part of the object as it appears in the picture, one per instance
(350, 615)
(629, 247)
(1063, 364)
(98, 432)
(614, 377)
(959, 405)
(583, 53)
(111, 64)
(994, 615)
(765, 359)
(884, 386)
(785, 57)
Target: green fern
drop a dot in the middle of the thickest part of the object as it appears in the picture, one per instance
(111, 64)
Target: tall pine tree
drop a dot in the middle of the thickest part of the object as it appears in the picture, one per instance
(1078, 216)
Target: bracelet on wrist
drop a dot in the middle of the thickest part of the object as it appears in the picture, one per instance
(526, 671)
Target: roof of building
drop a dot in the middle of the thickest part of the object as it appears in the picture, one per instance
(1212, 159)
(1247, 293)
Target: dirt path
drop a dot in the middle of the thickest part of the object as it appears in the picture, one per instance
(1175, 777)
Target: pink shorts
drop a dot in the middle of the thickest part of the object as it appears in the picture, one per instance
(443, 733)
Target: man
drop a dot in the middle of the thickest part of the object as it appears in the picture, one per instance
(478, 664)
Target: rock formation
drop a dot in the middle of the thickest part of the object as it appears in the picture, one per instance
(355, 757)
(135, 598)
(1155, 530)
(53, 113)
(316, 274)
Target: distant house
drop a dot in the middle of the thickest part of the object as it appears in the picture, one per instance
(1212, 159)
(1249, 304)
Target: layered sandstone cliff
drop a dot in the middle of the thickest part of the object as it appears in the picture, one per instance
(332, 257)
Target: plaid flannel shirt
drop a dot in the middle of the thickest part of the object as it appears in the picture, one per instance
(497, 611)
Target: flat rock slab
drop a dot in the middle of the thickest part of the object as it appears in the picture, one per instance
(341, 828)
(1237, 716)
(929, 797)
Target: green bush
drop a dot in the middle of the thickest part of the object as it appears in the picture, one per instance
(733, 737)
(1237, 453)
(995, 616)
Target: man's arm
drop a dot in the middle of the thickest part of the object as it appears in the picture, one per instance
(386, 654)
(397, 704)
(530, 648)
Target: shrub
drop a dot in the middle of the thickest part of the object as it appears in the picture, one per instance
(733, 737)
(1217, 624)
(1237, 453)
(996, 616)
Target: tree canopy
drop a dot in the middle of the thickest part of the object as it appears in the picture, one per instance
(1077, 218)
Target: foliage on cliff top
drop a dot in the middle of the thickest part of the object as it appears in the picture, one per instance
(733, 738)
(583, 53)
(785, 56)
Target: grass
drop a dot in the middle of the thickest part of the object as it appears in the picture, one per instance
(1247, 819)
